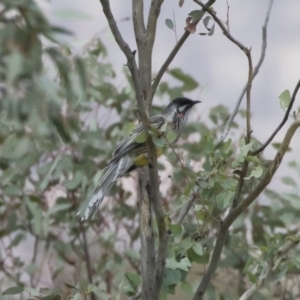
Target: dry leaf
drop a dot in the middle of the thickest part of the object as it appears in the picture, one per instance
(191, 26)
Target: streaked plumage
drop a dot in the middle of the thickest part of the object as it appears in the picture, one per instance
(130, 155)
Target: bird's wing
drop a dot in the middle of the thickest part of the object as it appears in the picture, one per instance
(128, 144)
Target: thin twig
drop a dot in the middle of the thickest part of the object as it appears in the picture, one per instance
(269, 140)
(185, 209)
(255, 72)
(169, 59)
(248, 97)
(221, 25)
(227, 20)
(248, 129)
(175, 30)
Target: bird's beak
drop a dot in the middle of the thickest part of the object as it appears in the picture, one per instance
(196, 101)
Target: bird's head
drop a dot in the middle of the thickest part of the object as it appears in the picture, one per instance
(180, 107)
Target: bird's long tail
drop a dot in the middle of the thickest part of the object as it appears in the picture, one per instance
(114, 171)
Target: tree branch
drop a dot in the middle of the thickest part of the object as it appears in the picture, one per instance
(268, 176)
(185, 209)
(169, 59)
(269, 140)
(235, 212)
(138, 18)
(87, 259)
(248, 96)
(130, 55)
(142, 81)
(147, 241)
(152, 21)
(255, 72)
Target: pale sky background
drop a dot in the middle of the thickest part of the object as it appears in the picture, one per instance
(218, 65)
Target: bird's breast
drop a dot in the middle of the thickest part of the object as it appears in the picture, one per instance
(142, 159)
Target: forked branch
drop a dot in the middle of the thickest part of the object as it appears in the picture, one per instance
(169, 59)
(235, 212)
(255, 72)
(130, 55)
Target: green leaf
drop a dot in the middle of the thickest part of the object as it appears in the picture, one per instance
(171, 277)
(184, 264)
(252, 277)
(14, 66)
(171, 136)
(133, 279)
(212, 30)
(71, 13)
(196, 15)
(128, 128)
(51, 297)
(285, 99)
(59, 207)
(81, 72)
(101, 294)
(13, 290)
(37, 216)
(289, 181)
(142, 137)
(187, 288)
(33, 292)
(206, 21)
(190, 227)
(158, 142)
(75, 181)
(163, 127)
(249, 263)
(46, 179)
(189, 83)
(246, 148)
(198, 249)
(169, 24)
(175, 229)
(253, 159)
(256, 172)
(200, 259)
(278, 145)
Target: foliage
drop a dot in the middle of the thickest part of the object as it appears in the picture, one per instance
(61, 117)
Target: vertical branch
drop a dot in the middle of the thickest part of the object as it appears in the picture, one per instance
(163, 235)
(238, 209)
(248, 96)
(142, 80)
(248, 128)
(255, 72)
(87, 259)
(130, 55)
(152, 272)
(144, 59)
(147, 238)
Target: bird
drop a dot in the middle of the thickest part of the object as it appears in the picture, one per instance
(131, 152)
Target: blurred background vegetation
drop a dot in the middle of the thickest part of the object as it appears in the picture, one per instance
(60, 118)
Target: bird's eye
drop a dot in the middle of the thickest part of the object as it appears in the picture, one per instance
(181, 108)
